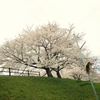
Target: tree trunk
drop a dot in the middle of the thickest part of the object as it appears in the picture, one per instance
(58, 74)
(57, 70)
(49, 74)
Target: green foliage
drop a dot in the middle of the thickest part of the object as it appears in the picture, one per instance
(42, 88)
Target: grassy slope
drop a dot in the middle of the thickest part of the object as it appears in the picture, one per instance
(39, 88)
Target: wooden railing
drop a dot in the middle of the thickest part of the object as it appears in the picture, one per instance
(15, 72)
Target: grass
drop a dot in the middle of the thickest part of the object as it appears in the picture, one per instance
(42, 88)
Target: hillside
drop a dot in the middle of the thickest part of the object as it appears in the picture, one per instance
(43, 88)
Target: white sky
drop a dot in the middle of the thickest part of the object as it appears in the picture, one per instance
(85, 14)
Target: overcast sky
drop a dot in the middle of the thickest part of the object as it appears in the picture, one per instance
(85, 14)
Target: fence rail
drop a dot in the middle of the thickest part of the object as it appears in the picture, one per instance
(15, 72)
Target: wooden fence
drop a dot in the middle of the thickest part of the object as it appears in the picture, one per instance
(17, 72)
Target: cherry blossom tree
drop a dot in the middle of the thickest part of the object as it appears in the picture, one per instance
(48, 47)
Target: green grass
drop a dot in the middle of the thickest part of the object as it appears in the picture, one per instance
(42, 88)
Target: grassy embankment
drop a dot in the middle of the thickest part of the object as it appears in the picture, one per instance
(42, 88)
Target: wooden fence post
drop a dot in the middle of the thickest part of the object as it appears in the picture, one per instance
(39, 73)
(28, 73)
(9, 71)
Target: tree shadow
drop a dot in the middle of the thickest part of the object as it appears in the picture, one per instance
(84, 84)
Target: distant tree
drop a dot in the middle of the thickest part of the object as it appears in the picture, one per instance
(79, 74)
(96, 68)
(48, 47)
(96, 60)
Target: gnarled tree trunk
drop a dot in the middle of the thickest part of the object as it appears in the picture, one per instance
(48, 72)
(58, 74)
